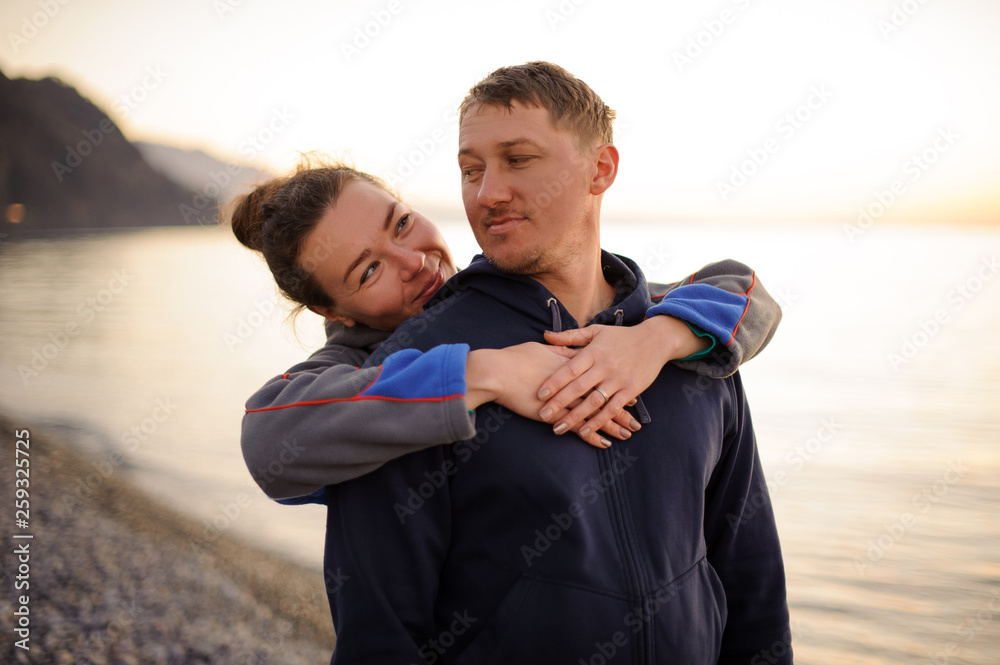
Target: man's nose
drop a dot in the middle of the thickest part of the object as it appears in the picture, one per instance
(493, 189)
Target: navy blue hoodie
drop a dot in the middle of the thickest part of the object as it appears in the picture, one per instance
(519, 546)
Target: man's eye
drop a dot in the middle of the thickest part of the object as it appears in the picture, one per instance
(520, 161)
(402, 223)
(369, 271)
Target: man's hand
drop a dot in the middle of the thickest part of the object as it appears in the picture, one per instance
(620, 361)
(509, 376)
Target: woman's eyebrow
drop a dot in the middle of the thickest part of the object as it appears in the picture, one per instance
(367, 252)
(389, 216)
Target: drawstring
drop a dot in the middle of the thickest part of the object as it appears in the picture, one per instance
(644, 417)
(556, 316)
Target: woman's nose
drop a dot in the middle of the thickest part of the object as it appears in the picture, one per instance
(411, 263)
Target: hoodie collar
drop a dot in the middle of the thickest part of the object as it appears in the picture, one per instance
(528, 296)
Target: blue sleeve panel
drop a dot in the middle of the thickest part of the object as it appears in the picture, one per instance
(325, 422)
(410, 374)
(319, 496)
(726, 300)
(713, 310)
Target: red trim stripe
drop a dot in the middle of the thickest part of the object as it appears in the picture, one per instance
(357, 399)
(374, 381)
(745, 309)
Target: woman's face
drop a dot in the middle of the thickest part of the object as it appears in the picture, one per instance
(378, 260)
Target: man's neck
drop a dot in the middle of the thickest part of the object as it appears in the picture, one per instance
(580, 286)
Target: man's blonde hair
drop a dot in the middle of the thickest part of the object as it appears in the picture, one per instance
(570, 102)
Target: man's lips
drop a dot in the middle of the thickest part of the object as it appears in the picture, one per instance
(500, 225)
(432, 287)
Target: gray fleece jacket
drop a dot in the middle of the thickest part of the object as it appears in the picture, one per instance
(325, 420)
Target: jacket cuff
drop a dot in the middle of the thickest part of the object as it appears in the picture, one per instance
(704, 353)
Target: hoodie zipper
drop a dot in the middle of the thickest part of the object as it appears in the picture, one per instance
(621, 517)
(629, 546)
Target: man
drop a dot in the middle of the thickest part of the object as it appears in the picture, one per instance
(522, 546)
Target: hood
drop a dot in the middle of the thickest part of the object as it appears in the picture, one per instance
(528, 297)
(355, 337)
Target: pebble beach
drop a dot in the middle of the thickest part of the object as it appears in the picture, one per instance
(114, 578)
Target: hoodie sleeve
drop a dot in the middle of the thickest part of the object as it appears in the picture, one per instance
(324, 422)
(726, 301)
(742, 545)
(388, 537)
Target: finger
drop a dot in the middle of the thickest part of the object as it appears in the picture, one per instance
(564, 351)
(610, 417)
(618, 427)
(596, 439)
(572, 337)
(626, 420)
(613, 429)
(589, 407)
(560, 389)
(562, 428)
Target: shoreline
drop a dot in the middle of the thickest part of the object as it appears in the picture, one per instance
(116, 577)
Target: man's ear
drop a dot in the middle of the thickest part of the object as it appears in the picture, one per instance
(607, 168)
(330, 314)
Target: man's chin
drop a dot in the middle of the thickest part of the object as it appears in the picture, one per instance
(514, 264)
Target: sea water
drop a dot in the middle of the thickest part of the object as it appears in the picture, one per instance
(876, 405)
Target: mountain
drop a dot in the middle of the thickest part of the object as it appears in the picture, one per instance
(65, 166)
(200, 172)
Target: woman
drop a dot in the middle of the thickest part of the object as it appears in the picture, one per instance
(341, 244)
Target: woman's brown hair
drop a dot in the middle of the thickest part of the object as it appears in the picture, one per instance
(277, 216)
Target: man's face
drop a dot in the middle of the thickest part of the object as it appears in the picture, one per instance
(527, 188)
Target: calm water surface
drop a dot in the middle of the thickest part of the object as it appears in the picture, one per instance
(877, 404)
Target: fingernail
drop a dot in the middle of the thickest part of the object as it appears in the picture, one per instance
(546, 412)
(634, 424)
(624, 433)
(585, 432)
(605, 443)
(560, 428)
(544, 393)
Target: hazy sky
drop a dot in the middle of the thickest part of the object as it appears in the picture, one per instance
(733, 109)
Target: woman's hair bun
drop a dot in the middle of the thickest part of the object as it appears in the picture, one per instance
(248, 212)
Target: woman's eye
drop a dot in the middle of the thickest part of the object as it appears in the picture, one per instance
(401, 224)
(369, 271)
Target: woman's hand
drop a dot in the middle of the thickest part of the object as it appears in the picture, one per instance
(620, 361)
(509, 376)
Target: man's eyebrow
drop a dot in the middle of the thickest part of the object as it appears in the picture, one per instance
(517, 142)
(505, 145)
(366, 253)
